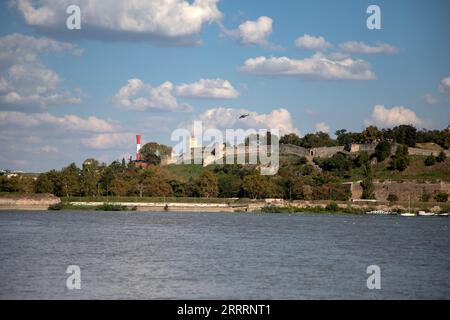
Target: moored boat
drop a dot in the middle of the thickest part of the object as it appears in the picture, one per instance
(425, 214)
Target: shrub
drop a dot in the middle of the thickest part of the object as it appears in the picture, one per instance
(441, 157)
(392, 197)
(425, 197)
(430, 160)
(56, 206)
(382, 150)
(441, 197)
(110, 207)
(332, 206)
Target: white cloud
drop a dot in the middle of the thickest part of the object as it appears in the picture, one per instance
(386, 118)
(207, 88)
(173, 21)
(430, 99)
(49, 149)
(24, 80)
(322, 127)
(361, 47)
(65, 123)
(103, 141)
(312, 43)
(137, 95)
(444, 86)
(255, 32)
(317, 66)
(228, 118)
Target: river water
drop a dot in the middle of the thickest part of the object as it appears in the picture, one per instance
(131, 255)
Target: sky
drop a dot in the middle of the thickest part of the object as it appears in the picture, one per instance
(150, 67)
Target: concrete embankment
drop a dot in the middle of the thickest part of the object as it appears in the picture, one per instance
(160, 206)
(27, 202)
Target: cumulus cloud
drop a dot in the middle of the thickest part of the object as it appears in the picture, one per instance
(444, 86)
(65, 123)
(385, 118)
(103, 141)
(207, 88)
(137, 95)
(253, 32)
(228, 118)
(361, 47)
(322, 127)
(24, 79)
(317, 66)
(165, 21)
(312, 43)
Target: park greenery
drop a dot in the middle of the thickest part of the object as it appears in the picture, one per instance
(298, 178)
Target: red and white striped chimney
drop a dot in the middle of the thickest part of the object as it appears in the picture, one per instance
(138, 147)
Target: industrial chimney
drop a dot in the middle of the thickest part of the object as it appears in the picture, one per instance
(138, 147)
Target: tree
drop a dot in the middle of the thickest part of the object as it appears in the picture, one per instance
(229, 185)
(70, 180)
(430, 160)
(441, 157)
(44, 184)
(383, 150)
(291, 138)
(89, 178)
(153, 152)
(120, 186)
(441, 197)
(367, 183)
(405, 134)
(370, 134)
(400, 160)
(208, 185)
(152, 182)
(257, 186)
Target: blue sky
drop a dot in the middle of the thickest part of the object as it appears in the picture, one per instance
(64, 103)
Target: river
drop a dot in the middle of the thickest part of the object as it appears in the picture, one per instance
(136, 255)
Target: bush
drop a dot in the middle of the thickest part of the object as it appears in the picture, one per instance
(56, 206)
(441, 197)
(441, 157)
(392, 197)
(110, 207)
(430, 160)
(332, 206)
(382, 150)
(425, 197)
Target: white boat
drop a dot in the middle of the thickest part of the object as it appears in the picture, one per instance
(443, 214)
(426, 214)
(408, 214)
(379, 212)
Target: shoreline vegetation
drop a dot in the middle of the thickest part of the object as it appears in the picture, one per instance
(206, 205)
(356, 172)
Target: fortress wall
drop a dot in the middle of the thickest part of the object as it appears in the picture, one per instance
(295, 150)
(325, 152)
(402, 190)
(424, 152)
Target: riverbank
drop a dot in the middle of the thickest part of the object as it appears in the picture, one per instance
(50, 202)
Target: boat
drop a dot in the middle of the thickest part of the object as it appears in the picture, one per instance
(425, 214)
(379, 212)
(443, 214)
(408, 214)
